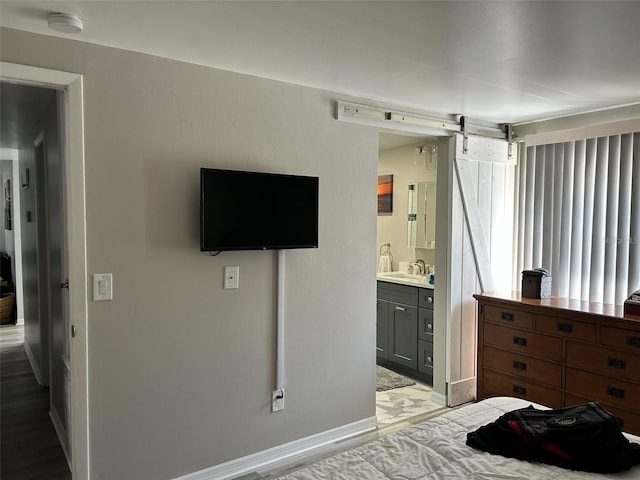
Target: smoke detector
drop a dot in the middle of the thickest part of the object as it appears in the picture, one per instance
(65, 22)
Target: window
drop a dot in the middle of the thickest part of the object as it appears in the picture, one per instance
(578, 215)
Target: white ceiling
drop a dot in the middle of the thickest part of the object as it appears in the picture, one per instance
(507, 61)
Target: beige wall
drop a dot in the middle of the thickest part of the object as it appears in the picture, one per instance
(180, 370)
(392, 228)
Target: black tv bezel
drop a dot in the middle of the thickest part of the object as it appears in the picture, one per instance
(257, 246)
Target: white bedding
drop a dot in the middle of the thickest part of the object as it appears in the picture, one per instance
(436, 449)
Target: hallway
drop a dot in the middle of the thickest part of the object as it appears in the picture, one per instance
(30, 447)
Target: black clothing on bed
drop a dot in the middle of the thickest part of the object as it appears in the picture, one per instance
(584, 437)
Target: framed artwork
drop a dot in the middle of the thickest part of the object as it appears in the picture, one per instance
(7, 205)
(385, 193)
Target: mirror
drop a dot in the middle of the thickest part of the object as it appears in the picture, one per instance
(421, 215)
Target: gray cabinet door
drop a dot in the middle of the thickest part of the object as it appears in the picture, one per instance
(403, 335)
(382, 329)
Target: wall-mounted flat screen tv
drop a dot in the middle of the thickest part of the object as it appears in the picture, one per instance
(257, 211)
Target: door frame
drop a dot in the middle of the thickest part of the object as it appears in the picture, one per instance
(75, 213)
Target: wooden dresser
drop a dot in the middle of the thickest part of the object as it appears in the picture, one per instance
(559, 352)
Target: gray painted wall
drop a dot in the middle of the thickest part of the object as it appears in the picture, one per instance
(180, 370)
(6, 236)
(36, 333)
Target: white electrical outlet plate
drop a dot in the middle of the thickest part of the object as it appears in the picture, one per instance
(231, 275)
(277, 400)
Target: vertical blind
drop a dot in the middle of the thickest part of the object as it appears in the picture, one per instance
(578, 216)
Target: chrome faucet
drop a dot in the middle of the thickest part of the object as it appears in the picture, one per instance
(422, 268)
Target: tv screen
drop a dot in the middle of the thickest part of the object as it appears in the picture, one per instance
(257, 211)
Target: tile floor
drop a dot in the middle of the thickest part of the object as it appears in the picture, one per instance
(401, 404)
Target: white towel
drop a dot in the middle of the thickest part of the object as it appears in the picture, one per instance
(385, 264)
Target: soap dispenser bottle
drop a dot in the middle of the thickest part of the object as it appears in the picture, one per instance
(410, 266)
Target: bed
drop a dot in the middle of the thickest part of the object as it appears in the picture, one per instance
(436, 449)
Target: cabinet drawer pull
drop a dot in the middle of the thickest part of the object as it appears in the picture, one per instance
(429, 326)
(429, 299)
(401, 309)
(519, 365)
(519, 390)
(507, 316)
(633, 341)
(616, 363)
(615, 392)
(520, 341)
(565, 327)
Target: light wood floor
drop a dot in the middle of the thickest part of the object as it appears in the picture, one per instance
(30, 449)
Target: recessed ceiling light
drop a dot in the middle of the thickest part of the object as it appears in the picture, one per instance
(65, 22)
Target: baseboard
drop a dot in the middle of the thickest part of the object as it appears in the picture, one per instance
(61, 432)
(462, 391)
(439, 399)
(34, 365)
(260, 460)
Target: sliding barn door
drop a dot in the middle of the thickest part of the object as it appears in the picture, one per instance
(478, 213)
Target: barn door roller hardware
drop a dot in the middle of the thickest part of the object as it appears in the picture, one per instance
(483, 129)
(427, 123)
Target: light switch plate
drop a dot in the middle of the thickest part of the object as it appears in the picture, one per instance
(102, 286)
(231, 277)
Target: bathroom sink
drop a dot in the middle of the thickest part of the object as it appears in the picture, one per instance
(405, 277)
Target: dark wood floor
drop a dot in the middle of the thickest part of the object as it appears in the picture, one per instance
(30, 448)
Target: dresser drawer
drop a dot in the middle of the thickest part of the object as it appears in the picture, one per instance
(603, 389)
(523, 342)
(604, 360)
(630, 421)
(498, 384)
(508, 316)
(566, 328)
(620, 338)
(522, 366)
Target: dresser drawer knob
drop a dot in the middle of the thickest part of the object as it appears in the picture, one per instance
(520, 341)
(507, 316)
(565, 327)
(519, 390)
(616, 363)
(615, 392)
(519, 365)
(633, 341)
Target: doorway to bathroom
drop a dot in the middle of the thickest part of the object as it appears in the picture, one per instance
(407, 167)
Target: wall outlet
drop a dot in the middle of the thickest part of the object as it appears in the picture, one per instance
(277, 400)
(231, 275)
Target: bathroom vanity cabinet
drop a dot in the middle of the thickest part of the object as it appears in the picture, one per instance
(405, 329)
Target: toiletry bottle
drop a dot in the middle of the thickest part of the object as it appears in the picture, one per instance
(410, 266)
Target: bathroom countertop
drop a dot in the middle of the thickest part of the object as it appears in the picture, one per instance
(402, 278)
